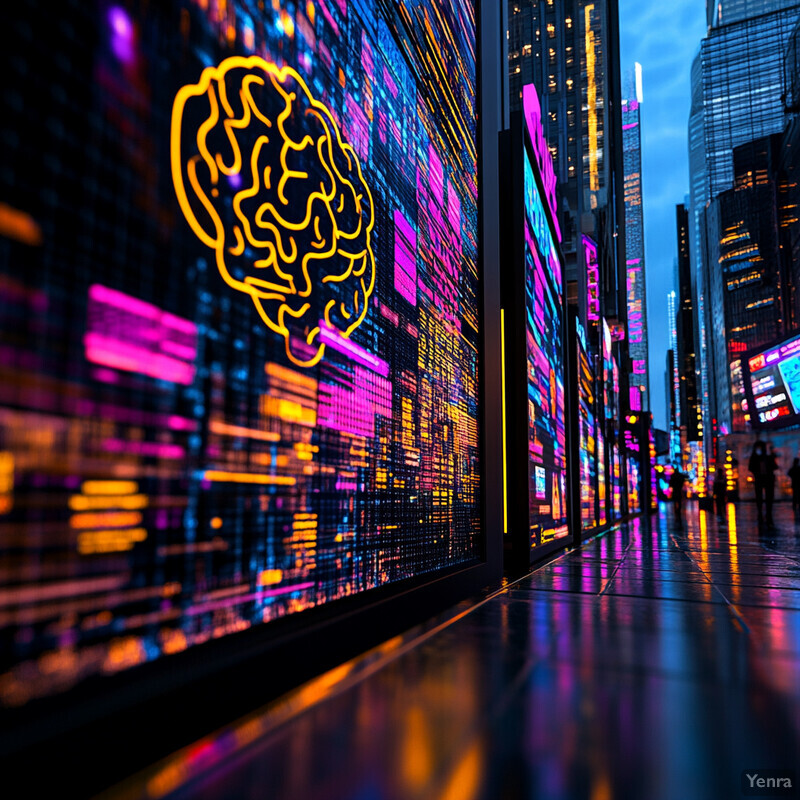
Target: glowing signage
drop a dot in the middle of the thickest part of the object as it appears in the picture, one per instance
(545, 366)
(592, 280)
(772, 383)
(267, 183)
(532, 109)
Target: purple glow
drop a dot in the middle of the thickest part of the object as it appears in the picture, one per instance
(235, 180)
(405, 264)
(354, 410)
(533, 117)
(122, 34)
(592, 280)
(128, 334)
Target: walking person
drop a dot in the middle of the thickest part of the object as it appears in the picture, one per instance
(721, 490)
(676, 482)
(794, 477)
(763, 466)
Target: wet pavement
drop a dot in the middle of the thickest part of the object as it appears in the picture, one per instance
(650, 663)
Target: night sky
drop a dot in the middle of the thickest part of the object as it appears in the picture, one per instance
(663, 38)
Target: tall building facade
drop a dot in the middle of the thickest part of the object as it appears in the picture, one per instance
(544, 48)
(673, 384)
(746, 286)
(570, 51)
(789, 180)
(688, 407)
(724, 12)
(634, 240)
(737, 82)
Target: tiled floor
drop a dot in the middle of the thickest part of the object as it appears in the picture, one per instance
(648, 664)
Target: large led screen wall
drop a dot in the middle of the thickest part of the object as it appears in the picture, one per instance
(772, 382)
(239, 323)
(586, 434)
(547, 474)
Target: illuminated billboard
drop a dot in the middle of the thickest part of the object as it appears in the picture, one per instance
(772, 383)
(587, 431)
(534, 314)
(240, 323)
(545, 368)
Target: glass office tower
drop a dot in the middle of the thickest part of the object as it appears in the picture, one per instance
(736, 98)
(725, 12)
(746, 288)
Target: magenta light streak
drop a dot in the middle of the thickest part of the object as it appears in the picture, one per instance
(350, 349)
(150, 449)
(405, 264)
(357, 128)
(533, 117)
(129, 334)
(130, 358)
(354, 410)
(435, 176)
(122, 34)
(331, 20)
(227, 602)
(111, 297)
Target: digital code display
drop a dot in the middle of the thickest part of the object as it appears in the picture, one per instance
(239, 320)
(602, 516)
(545, 365)
(773, 384)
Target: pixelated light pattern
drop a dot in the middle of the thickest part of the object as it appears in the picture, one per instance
(239, 322)
(545, 355)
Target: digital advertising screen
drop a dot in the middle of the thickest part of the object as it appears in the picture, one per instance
(587, 438)
(772, 383)
(632, 473)
(545, 369)
(239, 322)
(616, 482)
(602, 492)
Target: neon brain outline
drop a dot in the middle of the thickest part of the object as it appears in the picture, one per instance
(265, 180)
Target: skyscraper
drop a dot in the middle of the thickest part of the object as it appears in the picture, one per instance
(789, 180)
(736, 98)
(689, 409)
(742, 85)
(746, 286)
(725, 12)
(570, 51)
(634, 240)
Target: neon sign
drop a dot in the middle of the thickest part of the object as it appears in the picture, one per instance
(532, 109)
(592, 280)
(265, 181)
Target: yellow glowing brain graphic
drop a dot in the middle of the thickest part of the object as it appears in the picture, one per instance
(264, 180)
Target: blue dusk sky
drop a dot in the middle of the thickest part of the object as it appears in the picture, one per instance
(663, 37)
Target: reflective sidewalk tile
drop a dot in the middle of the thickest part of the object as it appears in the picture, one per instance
(650, 663)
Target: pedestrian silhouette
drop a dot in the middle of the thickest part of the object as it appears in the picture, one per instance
(794, 476)
(720, 490)
(676, 482)
(763, 466)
